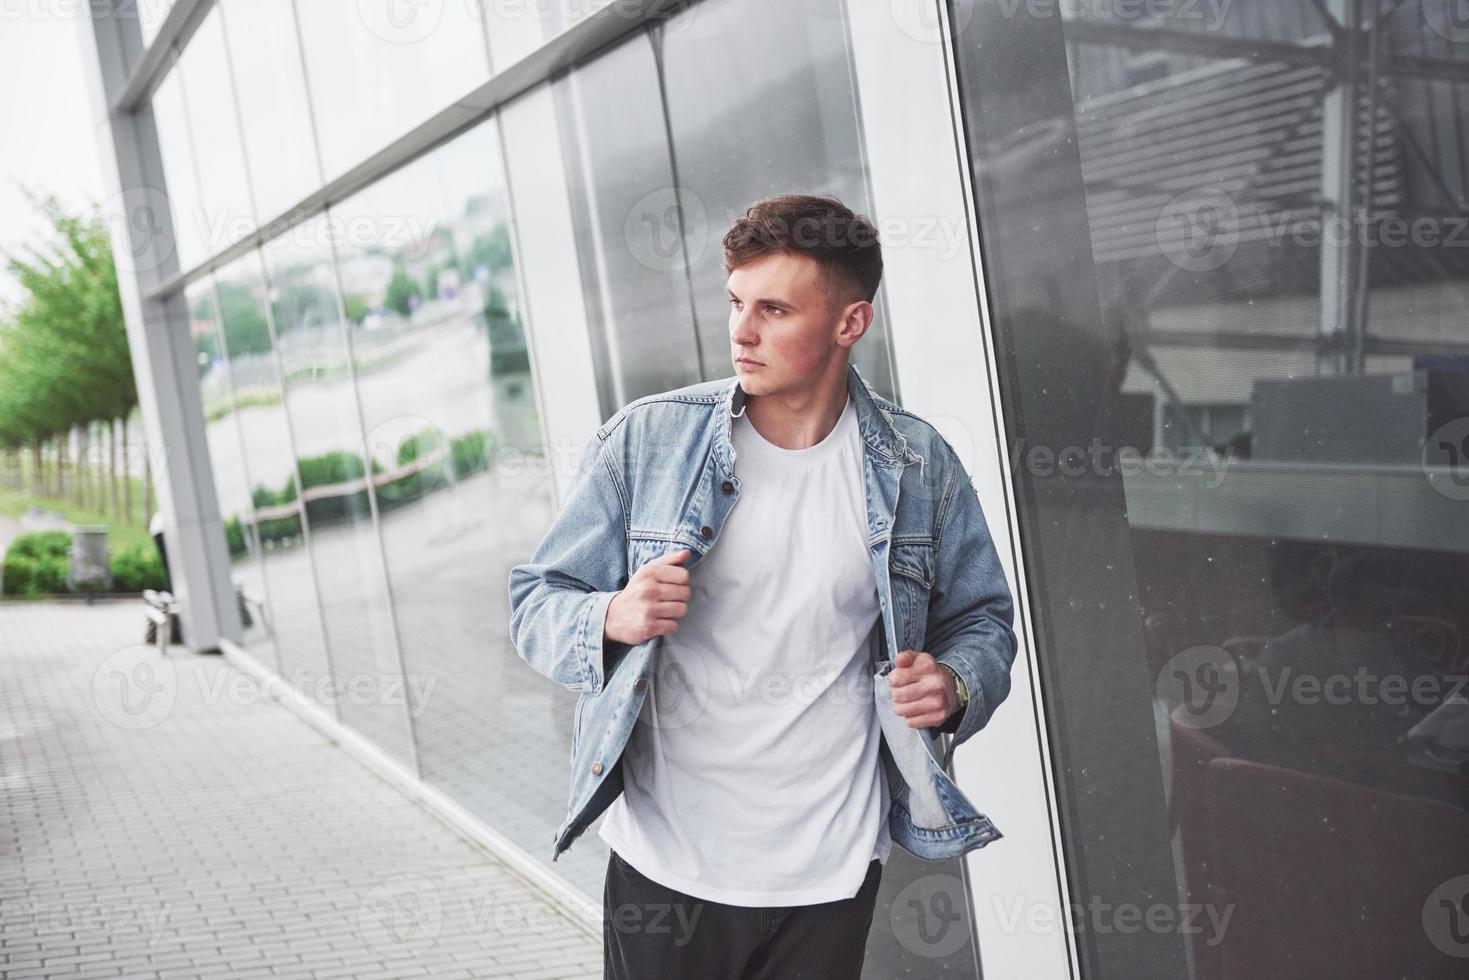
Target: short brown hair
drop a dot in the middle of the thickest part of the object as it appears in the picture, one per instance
(843, 243)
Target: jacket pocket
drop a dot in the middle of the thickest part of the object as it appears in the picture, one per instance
(911, 562)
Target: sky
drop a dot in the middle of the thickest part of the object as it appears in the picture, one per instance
(46, 137)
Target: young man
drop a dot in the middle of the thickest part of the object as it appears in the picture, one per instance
(724, 584)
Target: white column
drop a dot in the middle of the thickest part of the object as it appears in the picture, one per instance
(135, 206)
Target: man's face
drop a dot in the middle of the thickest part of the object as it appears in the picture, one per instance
(783, 321)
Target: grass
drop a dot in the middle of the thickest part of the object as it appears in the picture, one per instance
(120, 534)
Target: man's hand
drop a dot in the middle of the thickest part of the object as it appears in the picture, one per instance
(923, 692)
(654, 600)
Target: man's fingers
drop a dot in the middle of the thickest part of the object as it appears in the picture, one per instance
(668, 610)
(672, 557)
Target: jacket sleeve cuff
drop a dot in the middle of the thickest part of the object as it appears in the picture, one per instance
(963, 724)
(589, 634)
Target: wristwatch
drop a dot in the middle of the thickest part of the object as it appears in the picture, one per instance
(959, 687)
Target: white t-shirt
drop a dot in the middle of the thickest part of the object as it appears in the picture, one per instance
(752, 777)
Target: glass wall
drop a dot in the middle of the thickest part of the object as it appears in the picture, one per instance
(1226, 261)
(180, 175)
(321, 403)
(226, 212)
(271, 92)
(376, 70)
(664, 153)
(231, 479)
(453, 440)
(293, 612)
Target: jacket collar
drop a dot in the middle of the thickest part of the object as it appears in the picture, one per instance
(880, 437)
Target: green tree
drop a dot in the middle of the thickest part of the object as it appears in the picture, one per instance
(64, 359)
(402, 288)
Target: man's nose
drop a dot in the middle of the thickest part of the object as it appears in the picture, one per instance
(743, 330)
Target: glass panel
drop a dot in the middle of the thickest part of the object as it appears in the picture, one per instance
(462, 482)
(651, 218)
(227, 213)
(376, 70)
(271, 89)
(1228, 297)
(809, 144)
(292, 612)
(227, 460)
(620, 181)
(180, 176)
(322, 406)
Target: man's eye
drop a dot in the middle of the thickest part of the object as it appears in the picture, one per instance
(734, 302)
(772, 309)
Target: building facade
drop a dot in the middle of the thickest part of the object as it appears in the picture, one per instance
(1182, 282)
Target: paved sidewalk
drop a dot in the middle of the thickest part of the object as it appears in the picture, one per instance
(160, 818)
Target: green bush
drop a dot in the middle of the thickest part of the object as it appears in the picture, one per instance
(137, 568)
(41, 544)
(35, 564)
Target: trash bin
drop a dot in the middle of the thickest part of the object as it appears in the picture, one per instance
(88, 569)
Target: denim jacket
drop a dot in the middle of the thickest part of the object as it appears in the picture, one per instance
(660, 475)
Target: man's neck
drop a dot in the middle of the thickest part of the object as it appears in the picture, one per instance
(799, 419)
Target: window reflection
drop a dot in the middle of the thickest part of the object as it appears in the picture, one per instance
(271, 89)
(292, 608)
(799, 84)
(376, 70)
(180, 175)
(231, 480)
(1210, 302)
(227, 213)
(463, 489)
(650, 214)
(315, 361)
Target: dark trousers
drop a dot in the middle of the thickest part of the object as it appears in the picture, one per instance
(652, 932)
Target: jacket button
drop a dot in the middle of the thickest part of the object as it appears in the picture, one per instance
(596, 769)
(707, 531)
(727, 487)
(641, 684)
